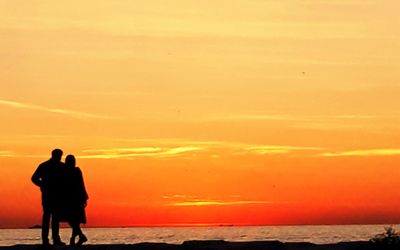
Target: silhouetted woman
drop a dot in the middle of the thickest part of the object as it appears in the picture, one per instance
(76, 199)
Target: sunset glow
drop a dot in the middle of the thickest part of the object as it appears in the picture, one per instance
(204, 112)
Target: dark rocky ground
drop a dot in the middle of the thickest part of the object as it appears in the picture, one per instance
(214, 245)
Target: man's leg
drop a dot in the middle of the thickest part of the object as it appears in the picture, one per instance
(45, 225)
(55, 229)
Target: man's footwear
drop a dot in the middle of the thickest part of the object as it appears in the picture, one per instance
(58, 243)
(45, 243)
(82, 239)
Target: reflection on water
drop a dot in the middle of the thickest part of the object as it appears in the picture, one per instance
(315, 234)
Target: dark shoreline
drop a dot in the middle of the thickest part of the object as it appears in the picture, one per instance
(213, 245)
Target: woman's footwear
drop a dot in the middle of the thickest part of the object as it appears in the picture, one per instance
(82, 239)
(72, 241)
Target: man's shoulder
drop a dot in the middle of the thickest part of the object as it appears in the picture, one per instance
(49, 164)
(42, 168)
(44, 164)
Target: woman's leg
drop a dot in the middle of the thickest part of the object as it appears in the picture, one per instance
(82, 237)
(75, 231)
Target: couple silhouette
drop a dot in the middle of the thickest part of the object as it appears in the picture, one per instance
(64, 197)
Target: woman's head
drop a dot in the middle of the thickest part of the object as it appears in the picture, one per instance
(70, 161)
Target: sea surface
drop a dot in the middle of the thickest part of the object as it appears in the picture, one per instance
(315, 234)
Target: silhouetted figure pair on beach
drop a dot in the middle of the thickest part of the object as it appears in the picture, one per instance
(64, 197)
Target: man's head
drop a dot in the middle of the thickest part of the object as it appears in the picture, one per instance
(56, 154)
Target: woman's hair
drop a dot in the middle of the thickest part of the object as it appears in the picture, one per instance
(70, 161)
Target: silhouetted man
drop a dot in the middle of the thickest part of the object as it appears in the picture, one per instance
(48, 177)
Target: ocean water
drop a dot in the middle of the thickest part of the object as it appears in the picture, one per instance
(315, 234)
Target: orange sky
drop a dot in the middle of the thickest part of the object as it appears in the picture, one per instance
(242, 112)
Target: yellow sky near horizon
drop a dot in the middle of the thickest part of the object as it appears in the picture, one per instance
(227, 91)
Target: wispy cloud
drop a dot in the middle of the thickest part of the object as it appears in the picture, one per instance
(130, 153)
(179, 197)
(170, 141)
(184, 148)
(124, 150)
(259, 117)
(160, 25)
(7, 153)
(314, 122)
(198, 203)
(211, 147)
(263, 150)
(76, 114)
(354, 117)
(366, 152)
(291, 117)
(168, 148)
(182, 200)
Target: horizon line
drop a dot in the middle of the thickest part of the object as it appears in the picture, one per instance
(205, 225)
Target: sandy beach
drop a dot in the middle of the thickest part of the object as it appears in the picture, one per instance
(213, 245)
